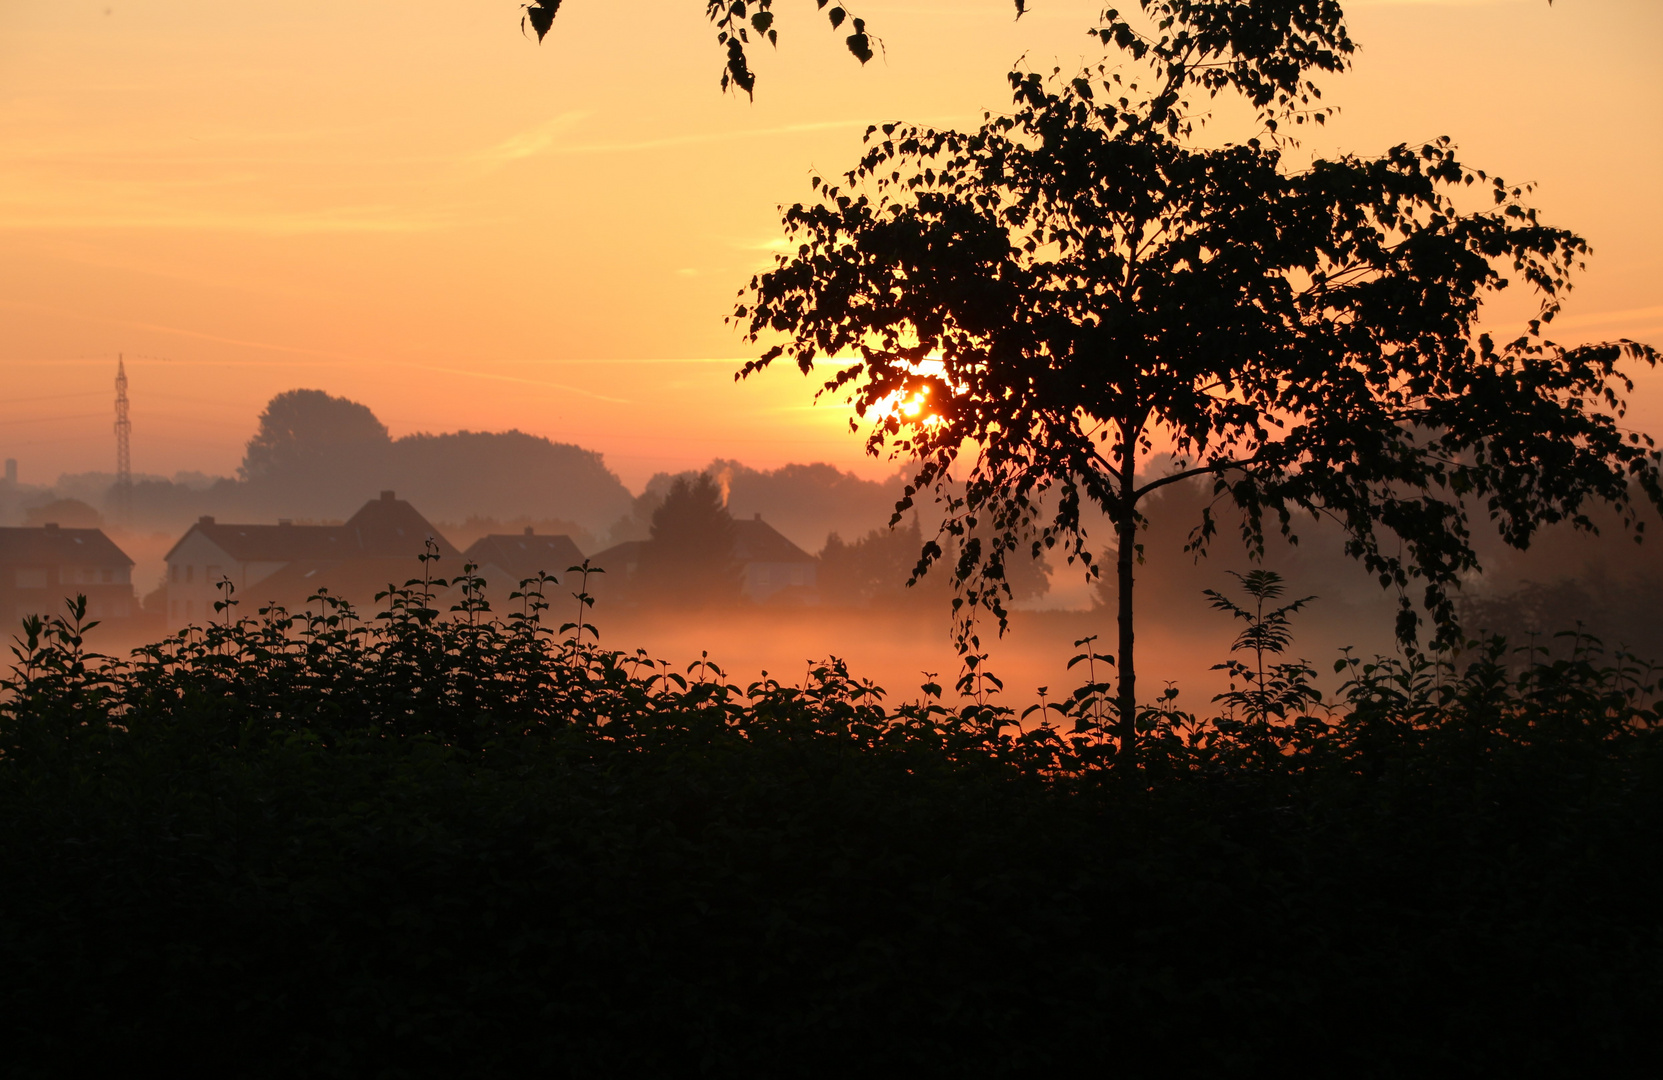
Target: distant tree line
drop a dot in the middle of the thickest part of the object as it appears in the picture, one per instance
(323, 455)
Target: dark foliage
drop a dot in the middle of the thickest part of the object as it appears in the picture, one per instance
(445, 845)
(688, 556)
(1620, 609)
(881, 569)
(304, 435)
(875, 570)
(505, 474)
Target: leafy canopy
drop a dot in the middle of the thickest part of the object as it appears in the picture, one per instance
(307, 430)
(1081, 284)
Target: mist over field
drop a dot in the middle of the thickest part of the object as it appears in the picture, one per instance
(315, 458)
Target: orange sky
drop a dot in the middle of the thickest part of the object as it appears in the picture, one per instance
(409, 204)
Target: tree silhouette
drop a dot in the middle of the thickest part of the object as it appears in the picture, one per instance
(1077, 286)
(305, 433)
(689, 555)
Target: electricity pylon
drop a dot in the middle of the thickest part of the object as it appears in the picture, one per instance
(123, 451)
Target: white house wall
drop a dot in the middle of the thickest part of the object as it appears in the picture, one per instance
(193, 566)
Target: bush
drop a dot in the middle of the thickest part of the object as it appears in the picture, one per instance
(450, 844)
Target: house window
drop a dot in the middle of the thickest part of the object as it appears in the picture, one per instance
(33, 578)
(173, 572)
(108, 575)
(190, 607)
(190, 573)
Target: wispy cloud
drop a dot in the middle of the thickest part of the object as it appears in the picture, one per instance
(345, 220)
(530, 142)
(699, 138)
(492, 376)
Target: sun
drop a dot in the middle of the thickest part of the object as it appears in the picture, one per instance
(914, 407)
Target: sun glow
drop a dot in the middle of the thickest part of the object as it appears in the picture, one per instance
(913, 405)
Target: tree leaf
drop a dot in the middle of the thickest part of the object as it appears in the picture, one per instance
(541, 13)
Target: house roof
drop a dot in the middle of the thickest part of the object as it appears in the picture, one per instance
(53, 545)
(619, 557)
(391, 526)
(271, 543)
(386, 526)
(754, 540)
(356, 579)
(523, 555)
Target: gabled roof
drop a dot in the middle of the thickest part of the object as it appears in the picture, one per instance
(272, 543)
(391, 526)
(754, 540)
(386, 526)
(619, 558)
(356, 579)
(52, 545)
(523, 555)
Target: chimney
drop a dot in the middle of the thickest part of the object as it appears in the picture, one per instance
(759, 515)
(387, 496)
(11, 470)
(529, 532)
(285, 521)
(51, 526)
(205, 519)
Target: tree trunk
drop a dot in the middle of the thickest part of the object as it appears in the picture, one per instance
(1124, 660)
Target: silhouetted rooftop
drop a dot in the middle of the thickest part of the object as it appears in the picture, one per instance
(523, 555)
(53, 545)
(356, 579)
(387, 526)
(754, 540)
(391, 526)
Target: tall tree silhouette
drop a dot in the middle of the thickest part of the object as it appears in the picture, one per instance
(305, 433)
(1079, 284)
(689, 555)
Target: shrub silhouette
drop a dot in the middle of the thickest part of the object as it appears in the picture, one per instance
(443, 842)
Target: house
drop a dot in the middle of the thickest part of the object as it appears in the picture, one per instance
(506, 559)
(771, 568)
(286, 563)
(618, 566)
(42, 566)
